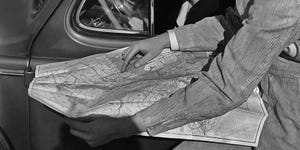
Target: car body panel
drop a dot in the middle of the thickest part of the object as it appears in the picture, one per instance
(55, 43)
(14, 108)
(34, 32)
(20, 23)
(60, 39)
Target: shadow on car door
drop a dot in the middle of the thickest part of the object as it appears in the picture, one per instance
(79, 28)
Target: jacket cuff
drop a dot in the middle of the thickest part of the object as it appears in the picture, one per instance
(173, 40)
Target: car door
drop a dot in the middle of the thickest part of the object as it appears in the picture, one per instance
(78, 28)
(20, 23)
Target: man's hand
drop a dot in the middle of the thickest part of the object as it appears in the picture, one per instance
(98, 130)
(149, 49)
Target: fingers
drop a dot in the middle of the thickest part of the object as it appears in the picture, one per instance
(90, 139)
(143, 60)
(128, 57)
(77, 125)
(82, 135)
(124, 52)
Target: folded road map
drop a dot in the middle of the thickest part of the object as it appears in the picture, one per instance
(94, 85)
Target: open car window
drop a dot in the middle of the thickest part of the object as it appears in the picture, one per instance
(116, 16)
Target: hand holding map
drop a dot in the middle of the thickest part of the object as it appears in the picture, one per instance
(94, 85)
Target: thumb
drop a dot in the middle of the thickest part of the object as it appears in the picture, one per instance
(144, 60)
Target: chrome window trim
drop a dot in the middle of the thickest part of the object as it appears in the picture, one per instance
(13, 65)
(112, 30)
(10, 72)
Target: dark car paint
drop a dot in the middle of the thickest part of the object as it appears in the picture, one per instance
(35, 32)
(20, 23)
(59, 39)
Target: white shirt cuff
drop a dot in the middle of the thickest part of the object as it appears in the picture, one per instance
(173, 40)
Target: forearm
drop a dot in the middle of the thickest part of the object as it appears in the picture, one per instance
(202, 36)
(199, 101)
(193, 1)
(162, 40)
(130, 126)
(232, 75)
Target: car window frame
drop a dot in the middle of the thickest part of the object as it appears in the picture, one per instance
(117, 31)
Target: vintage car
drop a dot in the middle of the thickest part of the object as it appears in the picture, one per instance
(34, 32)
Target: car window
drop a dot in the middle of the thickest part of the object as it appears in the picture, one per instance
(116, 16)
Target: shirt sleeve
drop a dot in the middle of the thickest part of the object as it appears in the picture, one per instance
(202, 36)
(234, 73)
(173, 40)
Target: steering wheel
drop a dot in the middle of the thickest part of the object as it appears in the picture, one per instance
(110, 15)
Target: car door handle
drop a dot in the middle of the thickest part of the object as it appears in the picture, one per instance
(13, 65)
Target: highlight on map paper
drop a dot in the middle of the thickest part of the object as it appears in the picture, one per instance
(94, 85)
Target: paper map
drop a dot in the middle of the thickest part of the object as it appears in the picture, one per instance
(94, 85)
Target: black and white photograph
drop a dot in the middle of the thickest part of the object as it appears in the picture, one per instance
(149, 74)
